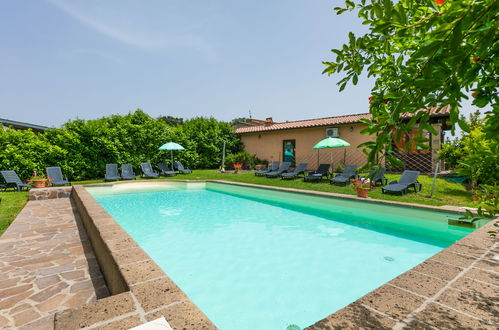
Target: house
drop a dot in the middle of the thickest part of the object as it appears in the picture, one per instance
(20, 125)
(293, 141)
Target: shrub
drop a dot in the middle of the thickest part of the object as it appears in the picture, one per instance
(82, 148)
(248, 161)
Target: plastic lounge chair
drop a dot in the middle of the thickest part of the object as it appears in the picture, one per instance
(55, 176)
(283, 168)
(165, 170)
(300, 169)
(274, 166)
(127, 172)
(407, 180)
(12, 180)
(379, 176)
(179, 167)
(147, 170)
(112, 172)
(345, 176)
(322, 171)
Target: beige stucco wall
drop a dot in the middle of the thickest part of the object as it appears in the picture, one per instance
(268, 145)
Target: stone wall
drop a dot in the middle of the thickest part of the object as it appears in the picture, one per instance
(37, 194)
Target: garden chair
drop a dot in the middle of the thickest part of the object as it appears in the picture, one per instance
(300, 169)
(12, 180)
(147, 170)
(378, 176)
(165, 170)
(127, 172)
(322, 171)
(345, 176)
(283, 168)
(407, 180)
(112, 172)
(180, 167)
(55, 176)
(272, 167)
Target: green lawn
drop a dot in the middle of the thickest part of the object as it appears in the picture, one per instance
(446, 193)
(11, 204)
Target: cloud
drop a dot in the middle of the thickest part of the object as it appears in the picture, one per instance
(135, 36)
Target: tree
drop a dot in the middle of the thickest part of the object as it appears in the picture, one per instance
(172, 121)
(423, 53)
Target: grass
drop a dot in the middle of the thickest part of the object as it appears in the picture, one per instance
(12, 203)
(445, 193)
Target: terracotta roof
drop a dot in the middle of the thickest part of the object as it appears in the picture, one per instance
(328, 121)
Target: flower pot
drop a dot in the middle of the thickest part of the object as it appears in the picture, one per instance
(362, 192)
(40, 183)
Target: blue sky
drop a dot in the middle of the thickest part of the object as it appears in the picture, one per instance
(63, 59)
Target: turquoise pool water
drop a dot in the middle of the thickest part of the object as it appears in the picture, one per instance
(260, 259)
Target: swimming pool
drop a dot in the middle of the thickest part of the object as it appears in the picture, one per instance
(257, 258)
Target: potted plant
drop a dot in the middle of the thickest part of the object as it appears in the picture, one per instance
(39, 181)
(237, 167)
(362, 186)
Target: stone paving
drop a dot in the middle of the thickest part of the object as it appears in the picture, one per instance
(46, 265)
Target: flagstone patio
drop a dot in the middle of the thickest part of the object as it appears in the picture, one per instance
(46, 265)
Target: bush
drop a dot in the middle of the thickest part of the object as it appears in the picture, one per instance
(451, 153)
(82, 148)
(248, 161)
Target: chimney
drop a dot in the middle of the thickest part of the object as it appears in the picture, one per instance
(268, 121)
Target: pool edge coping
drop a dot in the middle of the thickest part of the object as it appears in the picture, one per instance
(390, 304)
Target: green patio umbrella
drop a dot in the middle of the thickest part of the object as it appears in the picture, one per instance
(329, 143)
(171, 146)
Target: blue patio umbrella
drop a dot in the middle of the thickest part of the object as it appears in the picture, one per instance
(171, 146)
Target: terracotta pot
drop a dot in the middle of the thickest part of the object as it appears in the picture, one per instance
(362, 192)
(40, 183)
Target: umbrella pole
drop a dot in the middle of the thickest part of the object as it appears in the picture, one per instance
(331, 160)
(318, 158)
(171, 153)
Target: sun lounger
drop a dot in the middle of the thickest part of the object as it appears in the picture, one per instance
(179, 167)
(272, 167)
(407, 180)
(147, 170)
(165, 170)
(378, 176)
(322, 171)
(55, 176)
(12, 180)
(112, 172)
(300, 169)
(345, 176)
(127, 172)
(283, 168)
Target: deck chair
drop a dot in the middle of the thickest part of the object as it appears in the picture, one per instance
(322, 171)
(147, 170)
(178, 166)
(407, 180)
(345, 176)
(272, 167)
(112, 172)
(283, 168)
(300, 169)
(127, 172)
(55, 176)
(12, 180)
(165, 170)
(378, 176)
